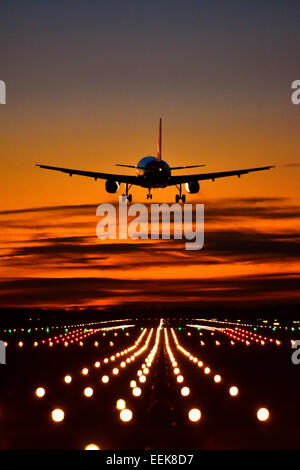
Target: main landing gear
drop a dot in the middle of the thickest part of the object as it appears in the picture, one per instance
(126, 195)
(179, 196)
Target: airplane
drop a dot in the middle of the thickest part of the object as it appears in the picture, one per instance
(153, 172)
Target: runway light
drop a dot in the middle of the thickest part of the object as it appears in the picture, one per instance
(20, 344)
(185, 391)
(207, 370)
(200, 364)
(88, 392)
(85, 371)
(136, 391)
(92, 447)
(233, 391)
(121, 404)
(132, 383)
(217, 379)
(194, 415)
(176, 371)
(97, 364)
(115, 371)
(40, 392)
(126, 415)
(57, 415)
(68, 379)
(142, 379)
(180, 378)
(105, 379)
(263, 414)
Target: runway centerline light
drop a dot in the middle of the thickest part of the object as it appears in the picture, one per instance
(185, 391)
(126, 415)
(263, 414)
(136, 391)
(121, 404)
(68, 379)
(88, 392)
(40, 392)
(234, 391)
(194, 415)
(57, 415)
(92, 447)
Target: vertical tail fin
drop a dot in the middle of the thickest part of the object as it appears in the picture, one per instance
(159, 143)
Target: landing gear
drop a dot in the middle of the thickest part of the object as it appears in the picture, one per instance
(180, 196)
(149, 195)
(126, 195)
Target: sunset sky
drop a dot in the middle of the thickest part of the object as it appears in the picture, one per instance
(86, 85)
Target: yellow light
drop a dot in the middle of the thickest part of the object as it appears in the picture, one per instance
(126, 415)
(136, 391)
(35, 344)
(20, 344)
(88, 392)
(194, 415)
(217, 378)
(115, 371)
(180, 378)
(97, 364)
(92, 447)
(185, 391)
(57, 415)
(40, 392)
(207, 370)
(85, 371)
(132, 383)
(68, 379)
(105, 379)
(142, 379)
(233, 391)
(121, 404)
(263, 414)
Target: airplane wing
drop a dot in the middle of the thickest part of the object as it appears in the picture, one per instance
(95, 174)
(211, 176)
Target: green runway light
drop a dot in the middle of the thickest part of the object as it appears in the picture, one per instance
(66, 330)
(293, 329)
(47, 330)
(29, 330)
(9, 331)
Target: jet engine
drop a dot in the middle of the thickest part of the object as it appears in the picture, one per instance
(111, 186)
(192, 187)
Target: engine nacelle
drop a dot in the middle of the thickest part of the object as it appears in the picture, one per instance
(111, 186)
(192, 187)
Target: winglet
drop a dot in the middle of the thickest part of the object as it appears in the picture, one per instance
(159, 143)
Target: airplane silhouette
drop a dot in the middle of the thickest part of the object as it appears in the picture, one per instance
(153, 172)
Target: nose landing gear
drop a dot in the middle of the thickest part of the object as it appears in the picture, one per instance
(180, 196)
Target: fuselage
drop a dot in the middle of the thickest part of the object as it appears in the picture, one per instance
(153, 173)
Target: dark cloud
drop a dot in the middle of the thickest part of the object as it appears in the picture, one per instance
(80, 291)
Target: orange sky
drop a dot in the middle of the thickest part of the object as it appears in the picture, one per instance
(85, 89)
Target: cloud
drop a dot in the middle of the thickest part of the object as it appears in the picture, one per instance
(82, 291)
